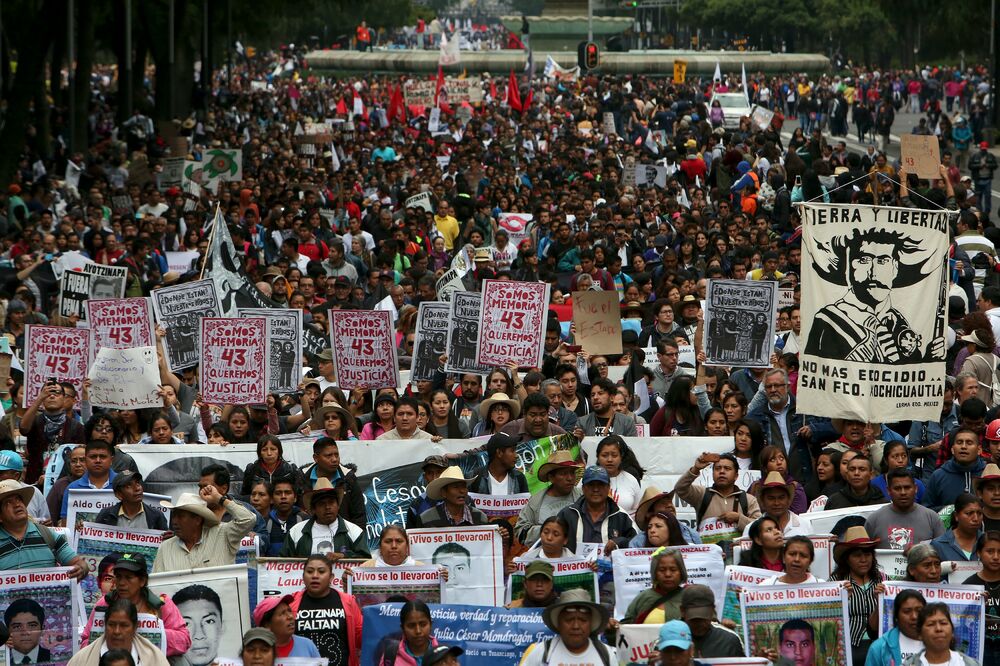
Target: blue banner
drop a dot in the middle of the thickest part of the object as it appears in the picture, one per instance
(490, 636)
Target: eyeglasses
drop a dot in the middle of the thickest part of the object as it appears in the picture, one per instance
(103, 428)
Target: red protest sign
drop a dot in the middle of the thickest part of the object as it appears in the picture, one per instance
(512, 323)
(121, 323)
(364, 349)
(234, 360)
(57, 353)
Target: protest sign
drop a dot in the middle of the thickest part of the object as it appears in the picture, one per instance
(637, 644)
(512, 323)
(704, 565)
(373, 585)
(422, 201)
(200, 592)
(364, 349)
(761, 117)
(180, 262)
(284, 340)
(234, 360)
(74, 290)
(422, 93)
(920, 155)
(225, 164)
(598, 326)
(48, 595)
(430, 340)
(822, 522)
(628, 172)
(179, 309)
(567, 574)
(450, 283)
(54, 353)
(172, 172)
(966, 603)
(489, 636)
(822, 564)
(892, 563)
(786, 298)
(608, 124)
(125, 378)
(874, 294)
(473, 556)
(737, 578)
(516, 226)
(463, 335)
(83, 505)
(120, 323)
(680, 71)
(150, 627)
(283, 575)
(739, 322)
(94, 542)
(821, 607)
(647, 175)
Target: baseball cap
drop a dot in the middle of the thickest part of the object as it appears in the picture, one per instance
(134, 562)
(10, 461)
(500, 440)
(125, 478)
(262, 613)
(697, 601)
(538, 568)
(258, 634)
(675, 634)
(993, 431)
(438, 654)
(342, 281)
(596, 474)
(435, 461)
(325, 355)
(984, 145)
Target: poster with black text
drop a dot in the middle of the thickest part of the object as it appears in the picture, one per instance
(739, 322)
(180, 309)
(874, 296)
(430, 341)
(463, 334)
(284, 339)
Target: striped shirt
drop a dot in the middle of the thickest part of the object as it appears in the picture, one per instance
(32, 552)
(861, 603)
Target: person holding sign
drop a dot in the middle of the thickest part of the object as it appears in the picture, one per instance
(775, 498)
(603, 419)
(45, 423)
(903, 522)
(539, 588)
(132, 583)
(723, 500)
(903, 640)
(662, 602)
(854, 555)
(121, 625)
(130, 511)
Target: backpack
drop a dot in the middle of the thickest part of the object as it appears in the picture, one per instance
(599, 646)
(707, 499)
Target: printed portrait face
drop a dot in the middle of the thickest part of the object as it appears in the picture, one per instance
(25, 632)
(798, 646)
(873, 271)
(204, 622)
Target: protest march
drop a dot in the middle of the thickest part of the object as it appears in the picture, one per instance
(516, 369)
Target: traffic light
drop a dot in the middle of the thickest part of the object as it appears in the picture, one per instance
(588, 56)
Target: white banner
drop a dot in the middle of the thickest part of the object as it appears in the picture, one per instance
(473, 557)
(83, 506)
(874, 298)
(284, 575)
(704, 564)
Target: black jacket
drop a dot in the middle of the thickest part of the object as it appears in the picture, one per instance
(620, 528)
(155, 520)
(256, 472)
(845, 498)
(481, 484)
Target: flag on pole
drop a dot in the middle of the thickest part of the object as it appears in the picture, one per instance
(334, 158)
(449, 54)
(397, 108)
(743, 75)
(513, 94)
(718, 73)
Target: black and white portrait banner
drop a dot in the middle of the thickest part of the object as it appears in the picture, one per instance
(874, 296)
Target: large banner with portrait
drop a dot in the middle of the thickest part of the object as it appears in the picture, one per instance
(874, 300)
(805, 624)
(215, 605)
(40, 611)
(965, 603)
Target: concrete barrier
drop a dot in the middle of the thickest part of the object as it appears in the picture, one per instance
(499, 63)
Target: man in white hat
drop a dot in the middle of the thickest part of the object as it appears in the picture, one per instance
(25, 544)
(560, 471)
(451, 489)
(200, 539)
(576, 620)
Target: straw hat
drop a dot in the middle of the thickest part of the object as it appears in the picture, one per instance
(650, 496)
(575, 598)
(500, 398)
(451, 475)
(11, 487)
(990, 473)
(320, 489)
(853, 538)
(775, 480)
(558, 460)
(192, 504)
(319, 416)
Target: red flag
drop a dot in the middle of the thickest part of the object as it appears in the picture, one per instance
(341, 107)
(440, 84)
(396, 106)
(493, 90)
(513, 94)
(527, 100)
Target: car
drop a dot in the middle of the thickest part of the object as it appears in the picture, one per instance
(734, 105)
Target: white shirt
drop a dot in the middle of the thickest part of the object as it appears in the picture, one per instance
(560, 656)
(793, 528)
(322, 538)
(776, 580)
(498, 487)
(625, 492)
(909, 647)
(955, 660)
